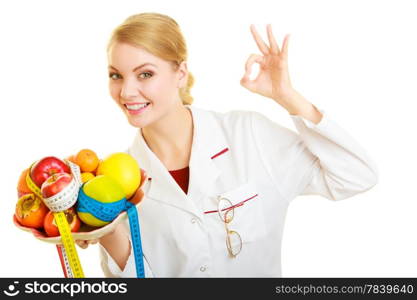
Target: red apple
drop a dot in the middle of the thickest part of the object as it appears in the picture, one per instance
(55, 183)
(46, 167)
(50, 226)
(31, 211)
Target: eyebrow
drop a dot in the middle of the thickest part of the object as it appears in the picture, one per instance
(138, 67)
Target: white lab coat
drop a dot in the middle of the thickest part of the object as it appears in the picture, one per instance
(241, 155)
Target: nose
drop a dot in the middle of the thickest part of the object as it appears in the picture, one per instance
(129, 89)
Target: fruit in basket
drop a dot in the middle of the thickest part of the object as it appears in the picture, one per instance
(102, 189)
(46, 167)
(87, 160)
(55, 184)
(51, 228)
(71, 158)
(86, 176)
(124, 169)
(22, 187)
(137, 197)
(31, 211)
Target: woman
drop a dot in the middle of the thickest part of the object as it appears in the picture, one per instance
(218, 185)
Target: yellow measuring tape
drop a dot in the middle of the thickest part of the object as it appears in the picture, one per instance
(32, 186)
(65, 232)
(69, 245)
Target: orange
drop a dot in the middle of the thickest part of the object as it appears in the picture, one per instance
(71, 158)
(86, 176)
(22, 187)
(87, 160)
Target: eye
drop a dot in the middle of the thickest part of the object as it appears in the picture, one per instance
(112, 76)
(147, 75)
(115, 76)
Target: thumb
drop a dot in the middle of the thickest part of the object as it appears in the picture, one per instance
(82, 244)
(247, 83)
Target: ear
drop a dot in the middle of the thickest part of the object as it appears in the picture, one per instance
(183, 74)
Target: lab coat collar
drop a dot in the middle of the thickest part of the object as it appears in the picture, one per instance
(208, 140)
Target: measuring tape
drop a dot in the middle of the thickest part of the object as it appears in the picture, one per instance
(108, 212)
(69, 245)
(32, 186)
(64, 262)
(136, 240)
(58, 204)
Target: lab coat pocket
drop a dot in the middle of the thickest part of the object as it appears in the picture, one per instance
(248, 218)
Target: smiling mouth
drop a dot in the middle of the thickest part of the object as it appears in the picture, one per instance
(136, 108)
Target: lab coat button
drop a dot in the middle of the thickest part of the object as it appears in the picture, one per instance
(193, 220)
(203, 268)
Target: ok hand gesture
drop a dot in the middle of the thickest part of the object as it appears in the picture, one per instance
(273, 80)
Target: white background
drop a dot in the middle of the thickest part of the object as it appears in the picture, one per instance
(354, 59)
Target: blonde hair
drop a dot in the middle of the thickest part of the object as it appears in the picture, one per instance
(161, 36)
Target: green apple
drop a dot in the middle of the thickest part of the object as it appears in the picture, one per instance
(103, 189)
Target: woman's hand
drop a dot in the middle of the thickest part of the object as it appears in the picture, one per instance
(85, 243)
(273, 80)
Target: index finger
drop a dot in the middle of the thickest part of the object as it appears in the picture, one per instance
(272, 41)
(261, 44)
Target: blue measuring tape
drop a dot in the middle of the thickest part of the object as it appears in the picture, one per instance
(136, 240)
(108, 212)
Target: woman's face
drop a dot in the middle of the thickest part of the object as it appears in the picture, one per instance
(144, 86)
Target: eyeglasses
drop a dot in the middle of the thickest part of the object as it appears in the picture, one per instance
(226, 212)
